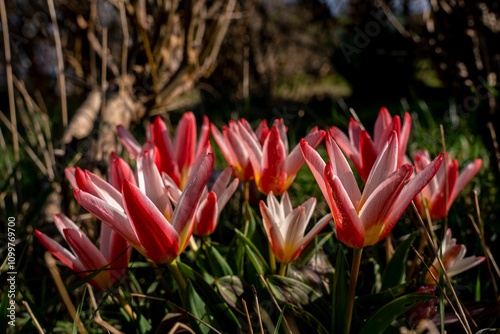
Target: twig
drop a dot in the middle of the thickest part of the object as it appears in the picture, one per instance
(97, 317)
(35, 321)
(276, 303)
(495, 143)
(51, 263)
(463, 320)
(248, 316)
(60, 63)
(256, 297)
(446, 181)
(10, 89)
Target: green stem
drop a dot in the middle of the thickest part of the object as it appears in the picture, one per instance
(282, 269)
(272, 261)
(246, 192)
(176, 273)
(356, 261)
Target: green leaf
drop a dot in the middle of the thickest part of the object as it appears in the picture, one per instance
(230, 288)
(215, 303)
(311, 320)
(313, 247)
(340, 287)
(290, 290)
(198, 308)
(382, 319)
(218, 263)
(385, 296)
(253, 254)
(395, 272)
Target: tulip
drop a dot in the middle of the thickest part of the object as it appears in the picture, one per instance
(363, 219)
(142, 214)
(435, 195)
(452, 256)
(232, 147)
(172, 156)
(285, 226)
(274, 168)
(84, 258)
(362, 150)
(211, 205)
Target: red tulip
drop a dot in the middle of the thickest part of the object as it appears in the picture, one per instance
(172, 156)
(363, 219)
(285, 226)
(231, 144)
(362, 150)
(84, 258)
(435, 196)
(274, 168)
(144, 217)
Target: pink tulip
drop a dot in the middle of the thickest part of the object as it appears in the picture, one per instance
(231, 144)
(142, 214)
(172, 156)
(452, 255)
(84, 258)
(274, 168)
(285, 226)
(435, 196)
(363, 219)
(362, 150)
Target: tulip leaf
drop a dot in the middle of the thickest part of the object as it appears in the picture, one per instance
(230, 288)
(214, 301)
(253, 254)
(199, 310)
(309, 319)
(385, 296)
(395, 272)
(218, 263)
(290, 290)
(384, 316)
(339, 290)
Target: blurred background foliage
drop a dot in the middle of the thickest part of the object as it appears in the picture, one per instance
(305, 61)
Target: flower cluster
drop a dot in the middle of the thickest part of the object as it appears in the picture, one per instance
(171, 199)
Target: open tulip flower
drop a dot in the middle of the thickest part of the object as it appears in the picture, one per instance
(143, 215)
(84, 258)
(453, 258)
(275, 169)
(363, 219)
(231, 145)
(435, 195)
(172, 156)
(285, 226)
(362, 150)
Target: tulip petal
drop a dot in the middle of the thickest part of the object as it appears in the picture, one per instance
(185, 142)
(410, 190)
(384, 166)
(128, 141)
(118, 171)
(203, 141)
(108, 214)
(273, 175)
(159, 239)
(69, 172)
(295, 159)
(347, 147)
(316, 165)
(151, 183)
(403, 137)
(62, 222)
(367, 153)
(206, 216)
(382, 125)
(465, 176)
(253, 147)
(273, 231)
(341, 168)
(182, 219)
(320, 225)
(61, 253)
(374, 210)
(224, 197)
(89, 255)
(440, 200)
(348, 226)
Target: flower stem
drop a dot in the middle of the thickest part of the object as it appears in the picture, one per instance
(125, 305)
(282, 269)
(356, 261)
(246, 192)
(176, 273)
